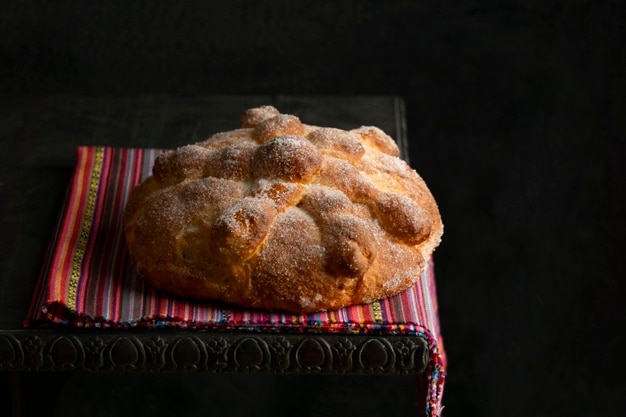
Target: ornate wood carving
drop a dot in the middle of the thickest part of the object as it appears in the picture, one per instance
(163, 351)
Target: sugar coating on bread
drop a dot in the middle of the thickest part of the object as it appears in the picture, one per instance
(282, 215)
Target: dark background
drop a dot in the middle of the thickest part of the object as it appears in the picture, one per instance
(515, 115)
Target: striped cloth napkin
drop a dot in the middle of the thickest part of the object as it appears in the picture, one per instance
(87, 279)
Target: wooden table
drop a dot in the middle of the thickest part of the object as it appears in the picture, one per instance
(39, 136)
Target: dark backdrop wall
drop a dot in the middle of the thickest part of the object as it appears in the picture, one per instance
(515, 116)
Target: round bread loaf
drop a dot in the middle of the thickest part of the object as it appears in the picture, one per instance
(281, 215)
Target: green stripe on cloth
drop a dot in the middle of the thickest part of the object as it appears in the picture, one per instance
(85, 229)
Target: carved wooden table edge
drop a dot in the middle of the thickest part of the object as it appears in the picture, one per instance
(201, 351)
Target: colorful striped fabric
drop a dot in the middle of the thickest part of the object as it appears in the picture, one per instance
(88, 281)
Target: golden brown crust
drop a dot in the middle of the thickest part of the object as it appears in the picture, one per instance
(284, 216)
(283, 124)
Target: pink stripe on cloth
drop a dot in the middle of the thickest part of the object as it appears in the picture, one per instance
(87, 280)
